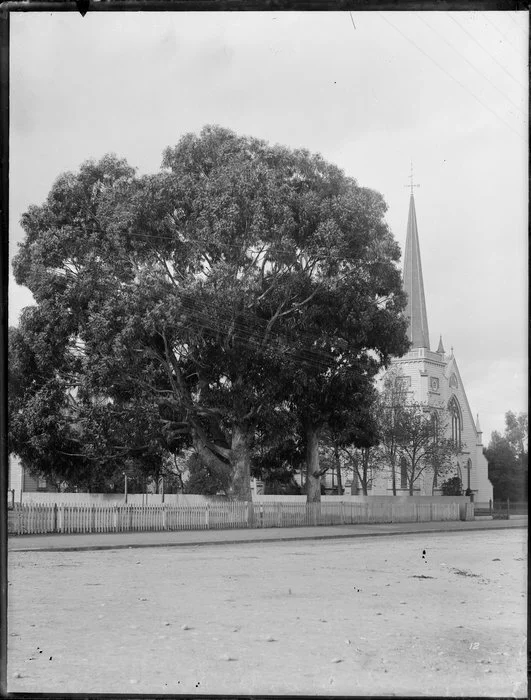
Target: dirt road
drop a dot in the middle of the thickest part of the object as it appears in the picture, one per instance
(441, 614)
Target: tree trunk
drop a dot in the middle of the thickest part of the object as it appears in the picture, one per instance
(393, 475)
(313, 475)
(212, 461)
(364, 467)
(338, 470)
(240, 476)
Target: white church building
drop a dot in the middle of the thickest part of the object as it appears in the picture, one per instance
(432, 377)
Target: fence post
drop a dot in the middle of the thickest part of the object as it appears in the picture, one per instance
(490, 506)
(55, 517)
(279, 514)
(207, 517)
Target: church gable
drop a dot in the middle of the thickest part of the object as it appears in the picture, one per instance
(433, 378)
(457, 389)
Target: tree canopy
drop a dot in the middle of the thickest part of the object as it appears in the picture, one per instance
(195, 306)
(507, 456)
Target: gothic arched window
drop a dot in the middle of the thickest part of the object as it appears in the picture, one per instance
(435, 425)
(455, 421)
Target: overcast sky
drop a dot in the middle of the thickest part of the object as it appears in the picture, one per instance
(370, 91)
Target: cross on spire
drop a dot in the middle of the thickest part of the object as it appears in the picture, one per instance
(411, 185)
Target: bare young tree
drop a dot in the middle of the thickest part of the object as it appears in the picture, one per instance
(422, 444)
(391, 404)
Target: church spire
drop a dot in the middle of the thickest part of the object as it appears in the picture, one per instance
(413, 283)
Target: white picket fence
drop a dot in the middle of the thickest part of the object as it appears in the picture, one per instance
(40, 518)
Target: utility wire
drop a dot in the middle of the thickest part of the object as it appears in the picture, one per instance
(484, 49)
(317, 356)
(247, 334)
(469, 63)
(509, 15)
(247, 324)
(452, 77)
(504, 36)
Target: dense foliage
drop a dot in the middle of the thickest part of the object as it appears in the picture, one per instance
(507, 456)
(452, 487)
(198, 307)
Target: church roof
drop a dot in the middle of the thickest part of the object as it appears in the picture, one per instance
(414, 285)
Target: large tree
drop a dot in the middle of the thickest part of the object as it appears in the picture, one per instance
(240, 278)
(507, 456)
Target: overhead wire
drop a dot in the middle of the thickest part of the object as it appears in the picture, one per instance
(253, 318)
(503, 35)
(508, 14)
(315, 356)
(418, 14)
(452, 77)
(247, 323)
(471, 36)
(246, 330)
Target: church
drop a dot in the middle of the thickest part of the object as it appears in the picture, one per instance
(432, 377)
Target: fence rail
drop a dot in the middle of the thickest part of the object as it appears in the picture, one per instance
(503, 509)
(39, 518)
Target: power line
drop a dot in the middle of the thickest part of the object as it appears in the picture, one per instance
(452, 77)
(484, 49)
(503, 35)
(507, 14)
(247, 337)
(470, 63)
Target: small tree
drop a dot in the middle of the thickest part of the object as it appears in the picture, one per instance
(202, 479)
(351, 441)
(361, 462)
(422, 443)
(452, 487)
(389, 414)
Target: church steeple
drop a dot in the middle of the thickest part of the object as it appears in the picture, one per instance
(413, 283)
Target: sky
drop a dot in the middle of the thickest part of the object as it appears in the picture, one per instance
(373, 92)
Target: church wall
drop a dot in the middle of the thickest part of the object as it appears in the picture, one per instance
(479, 482)
(434, 377)
(422, 367)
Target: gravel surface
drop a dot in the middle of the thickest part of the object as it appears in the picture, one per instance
(434, 614)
